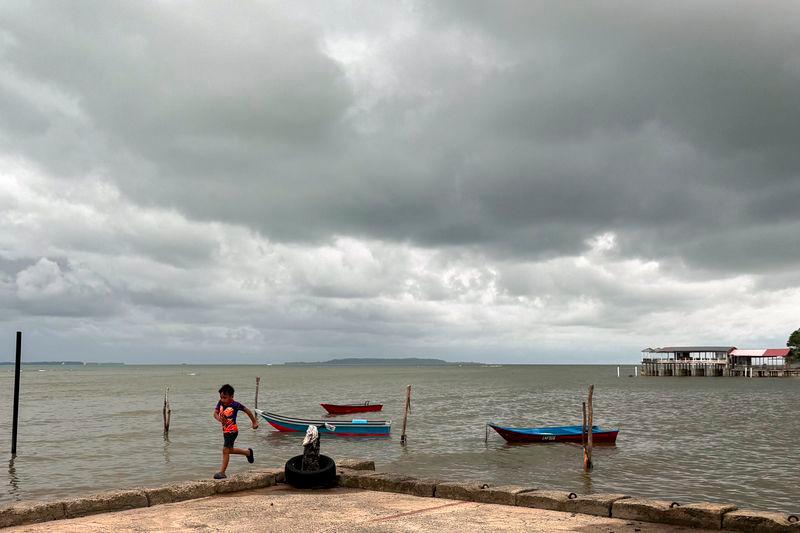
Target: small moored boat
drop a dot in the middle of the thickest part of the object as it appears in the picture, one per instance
(349, 428)
(555, 434)
(343, 409)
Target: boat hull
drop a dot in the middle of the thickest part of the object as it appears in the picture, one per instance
(555, 434)
(344, 428)
(351, 408)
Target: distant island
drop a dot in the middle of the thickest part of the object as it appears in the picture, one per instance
(377, 361)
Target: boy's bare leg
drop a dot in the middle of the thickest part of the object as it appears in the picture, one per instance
(239, 451)
(225, 458)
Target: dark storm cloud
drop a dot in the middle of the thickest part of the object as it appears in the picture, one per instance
(497, 181)
(647, 120)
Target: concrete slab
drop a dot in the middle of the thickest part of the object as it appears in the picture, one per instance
(355, 464)
(504, 494)
(177, 492)
(418, 487)
(456, 490)
(596, 504)
(707, 515)
(642, 509)
(105, 501)
(31, 512)
(244, 481)
(281, 508)
(760, 521)
(553, 500)
(350, 479)
(383, 481)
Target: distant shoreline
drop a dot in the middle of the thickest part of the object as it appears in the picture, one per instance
(364, 362)
(61, 363)
(375, 361)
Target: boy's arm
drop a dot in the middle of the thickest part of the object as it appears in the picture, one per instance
(253, 419)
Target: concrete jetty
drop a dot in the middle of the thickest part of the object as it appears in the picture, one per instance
(281, 508)
(365, 500)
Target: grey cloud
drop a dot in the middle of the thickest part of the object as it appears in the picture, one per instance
(591, 119)
(19, 117)
(46, 289)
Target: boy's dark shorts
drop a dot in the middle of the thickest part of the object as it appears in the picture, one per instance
(229, 438)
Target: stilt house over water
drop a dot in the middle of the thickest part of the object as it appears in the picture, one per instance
(715, 361)
(766, 363)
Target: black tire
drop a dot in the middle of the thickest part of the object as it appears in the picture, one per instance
(310, 479)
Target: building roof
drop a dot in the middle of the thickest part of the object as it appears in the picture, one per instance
(674, 349)
(747, 353)
(771, 352)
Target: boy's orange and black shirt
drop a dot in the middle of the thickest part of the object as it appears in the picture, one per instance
(228, 413)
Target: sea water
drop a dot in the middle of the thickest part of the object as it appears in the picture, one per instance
(84, 429)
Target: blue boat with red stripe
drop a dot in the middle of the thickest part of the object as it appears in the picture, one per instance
(555, 434)
(355, 427)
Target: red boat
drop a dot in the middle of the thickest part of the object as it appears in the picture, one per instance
(351, 408)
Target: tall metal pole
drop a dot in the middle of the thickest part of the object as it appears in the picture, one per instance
(16, 395)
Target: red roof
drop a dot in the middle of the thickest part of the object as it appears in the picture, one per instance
(776, 352)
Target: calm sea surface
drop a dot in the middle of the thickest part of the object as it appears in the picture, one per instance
(84, 429)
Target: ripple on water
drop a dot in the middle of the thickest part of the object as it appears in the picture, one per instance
(688, 439)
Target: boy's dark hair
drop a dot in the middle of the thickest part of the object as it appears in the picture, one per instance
(226, 389)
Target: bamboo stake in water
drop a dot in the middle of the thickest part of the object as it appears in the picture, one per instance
(258, 380)
(167, 412)
(16, 395)
(587, 462)
(583, 428)
(405, 414)
(583, 439)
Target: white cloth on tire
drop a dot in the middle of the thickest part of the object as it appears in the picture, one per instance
(312, 434)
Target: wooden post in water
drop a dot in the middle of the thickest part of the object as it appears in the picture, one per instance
(405, 414)
(587, 460)
(258, 381)
(583, 435)
(15, 417)
(167, 412)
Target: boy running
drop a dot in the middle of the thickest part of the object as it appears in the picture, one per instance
(225, 412)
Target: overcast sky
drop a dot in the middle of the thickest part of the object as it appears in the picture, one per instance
(538, 182)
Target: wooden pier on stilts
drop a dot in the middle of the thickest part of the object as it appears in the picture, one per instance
(716, 361)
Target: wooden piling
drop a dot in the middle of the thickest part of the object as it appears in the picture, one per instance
(405, 414)
(587, 461)
(167, 412)
(583, 430)
(258, 381)
(15, 417)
